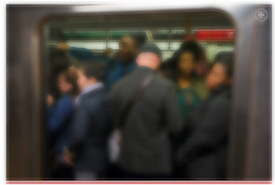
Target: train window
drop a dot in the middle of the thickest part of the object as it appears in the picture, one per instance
(69, 40)
(168, 40)
(213, 31)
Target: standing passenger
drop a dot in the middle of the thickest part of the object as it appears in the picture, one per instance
(87, 149)
(203, 154)
(193, 55)
(118, 66)
(60, 121)
(185, 69)
(185, 60)
(146, 111)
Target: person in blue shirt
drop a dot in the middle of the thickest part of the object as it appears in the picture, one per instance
(121, 64)
(59, 120)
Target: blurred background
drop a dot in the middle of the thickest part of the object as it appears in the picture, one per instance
(40, 43)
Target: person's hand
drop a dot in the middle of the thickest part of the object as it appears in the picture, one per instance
(68, 157)
(50, 100)
(63, 46)
(108, 52)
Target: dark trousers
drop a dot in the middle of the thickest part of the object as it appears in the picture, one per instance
(62, 172)
(114, 172)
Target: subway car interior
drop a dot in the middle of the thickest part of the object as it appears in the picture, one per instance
(214, 31)
(44, 33)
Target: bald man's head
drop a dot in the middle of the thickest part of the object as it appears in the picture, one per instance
(149, 55)
(148, 59)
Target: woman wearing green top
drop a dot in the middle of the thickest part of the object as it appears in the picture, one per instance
(192, 89)
(185, 68)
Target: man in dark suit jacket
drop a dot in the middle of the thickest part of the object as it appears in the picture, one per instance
(145, 145)
(87, 150)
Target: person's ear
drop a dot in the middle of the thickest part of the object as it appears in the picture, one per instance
(92, 79)
(159, 61)
(137, 60)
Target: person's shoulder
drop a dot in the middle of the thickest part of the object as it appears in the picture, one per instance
(95, 95)
(100, 93)
(66, 99)
(95, 99)
(165, 82)
(85, 101)
(220, 101)
(122, 82)
(112, 62)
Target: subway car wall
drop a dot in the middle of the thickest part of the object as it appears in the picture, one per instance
(34, 32)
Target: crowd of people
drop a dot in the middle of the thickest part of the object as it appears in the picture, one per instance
(134, 116)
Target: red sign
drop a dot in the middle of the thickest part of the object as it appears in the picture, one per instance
(215, 35)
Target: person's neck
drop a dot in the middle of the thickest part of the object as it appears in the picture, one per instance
(183, 77)
(89, 85)
(184, 81)
(145, 66)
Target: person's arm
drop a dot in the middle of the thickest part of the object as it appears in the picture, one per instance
(82, 54)
(59, 114)
(211, 132)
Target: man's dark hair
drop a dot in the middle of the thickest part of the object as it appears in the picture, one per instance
(94, 69)
(139, 38)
